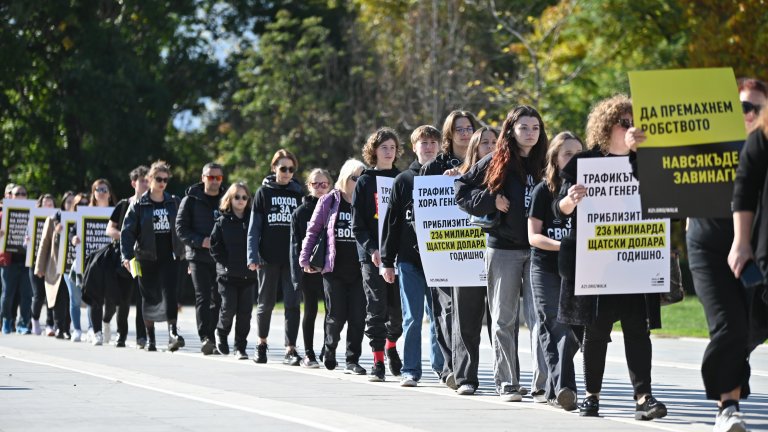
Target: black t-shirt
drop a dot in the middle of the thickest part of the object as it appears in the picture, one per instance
(346, 247)
(118, 214)
(213, 201)
(162, 227)
(552, 227)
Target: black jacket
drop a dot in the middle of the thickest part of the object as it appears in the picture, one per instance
(474, 198)
(270, 229)
(299, 221)
(195, 222)
(399, 236)
(228, 246)
(750, 192)
(137, 237)
(365, 212)
(442, 163)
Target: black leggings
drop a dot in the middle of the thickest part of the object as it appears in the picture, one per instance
(312, 287)
(38, 298)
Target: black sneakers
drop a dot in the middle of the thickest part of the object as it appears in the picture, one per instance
(377, 372)
(292, 358)
(650, 409)
(329, 359)
(241, 354)
(590, 407)
(207, 346)
(175, 341)
(222, 345)
(395, 364)
(261, 353)
(354, 369)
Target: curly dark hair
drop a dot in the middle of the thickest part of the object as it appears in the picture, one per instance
(378, 138)
(604, 115)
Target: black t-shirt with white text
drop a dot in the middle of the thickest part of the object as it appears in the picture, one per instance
(161, 224)
(552, 227)
(346, 247)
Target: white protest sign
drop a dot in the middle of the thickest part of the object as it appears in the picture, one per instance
(91, 229)
(452, 251)
(383, 191)
(617, 251)
(67, 251)
(15, 217)
(35, 224)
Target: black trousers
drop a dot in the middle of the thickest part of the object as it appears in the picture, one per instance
(345, 300)
(312, 288)
(126, 292)
(207, 297)
(38, 298)
(236, 302)
(61, 308)
(442, 311)
(469, 304)
(630, 310)
(384, 313)
(725, 365)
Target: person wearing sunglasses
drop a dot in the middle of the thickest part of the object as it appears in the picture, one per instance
(236, 281)
(269, 238)
(16, 285)
(193, 226)
(384, 314)
(753, 95)
(610, 133)
(127, 287)
(148, 235)
(38, 283)
(309, 284)
(342, 277)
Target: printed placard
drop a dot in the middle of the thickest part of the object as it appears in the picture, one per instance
(91, 229)
(67, 251)
(452, 251)
(35, 224)
(695, 129)
(383, 192)
(15, 218)
(617, 251)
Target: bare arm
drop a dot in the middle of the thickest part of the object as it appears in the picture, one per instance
(539, 240)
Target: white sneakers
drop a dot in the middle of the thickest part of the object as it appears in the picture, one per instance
(407, 381)
(98, 339)
(107, 332)
(730, 420)
(77, 336)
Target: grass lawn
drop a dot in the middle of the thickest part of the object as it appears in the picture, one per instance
(684, 319)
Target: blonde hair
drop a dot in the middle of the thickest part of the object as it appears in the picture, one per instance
(226, 201)
(604, 115)
(317, 171)
(347, 171)
(551, 170)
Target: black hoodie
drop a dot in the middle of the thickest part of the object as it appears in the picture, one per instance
(365, 211)
(442, 163)
(299, 221)
(399, 235)
(195, 221)
(228, 246)
(269, 234)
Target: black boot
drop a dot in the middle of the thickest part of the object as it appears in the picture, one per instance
(151, 345)
(175, 341)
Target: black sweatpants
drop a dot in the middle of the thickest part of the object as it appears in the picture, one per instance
(207, 297)
(38, 298)
(442, 311)
(236, 303)
(312, 288)
(345, 300)
(126, 292)
(469, 304)
(273, 277)
(630, 310)
(384, 313)
(61, 307)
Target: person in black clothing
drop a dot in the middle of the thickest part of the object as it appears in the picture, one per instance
(384, 317)
(16, 286)
(610, 132)
(502, 182)
(399, 245)
(38, 283)
(126, 283)
(269, 242)
(236, 281)
(458, 128)
(193, 226)
(148, 236)
(309, 284)
(342, 277)
(545, 231)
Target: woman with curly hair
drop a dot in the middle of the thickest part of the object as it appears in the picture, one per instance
(610, 133)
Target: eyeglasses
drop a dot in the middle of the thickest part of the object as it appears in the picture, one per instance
(217, 178)
(162, 179)
(626, 123)
(284, 169)
(467, 130)
(354, 178)
(319, 185)
(102, 190)
(240, 197)
(748, 107)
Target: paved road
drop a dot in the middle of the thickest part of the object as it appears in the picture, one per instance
(47, 383)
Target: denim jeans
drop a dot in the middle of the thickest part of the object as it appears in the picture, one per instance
(75, 300)
(557, 340)
(413, 292)
(16, 282)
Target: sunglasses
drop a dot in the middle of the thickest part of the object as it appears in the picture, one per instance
(19, 194)
(217, 178)
(101, 190)
(749, 107)
(285, 169)
(240, 197)
(319, 185)
(162, 179)
(626, 123)
(354, 178)
(468, 130)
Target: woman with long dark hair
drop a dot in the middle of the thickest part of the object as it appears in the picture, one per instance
(502, 182)
(38, 283)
